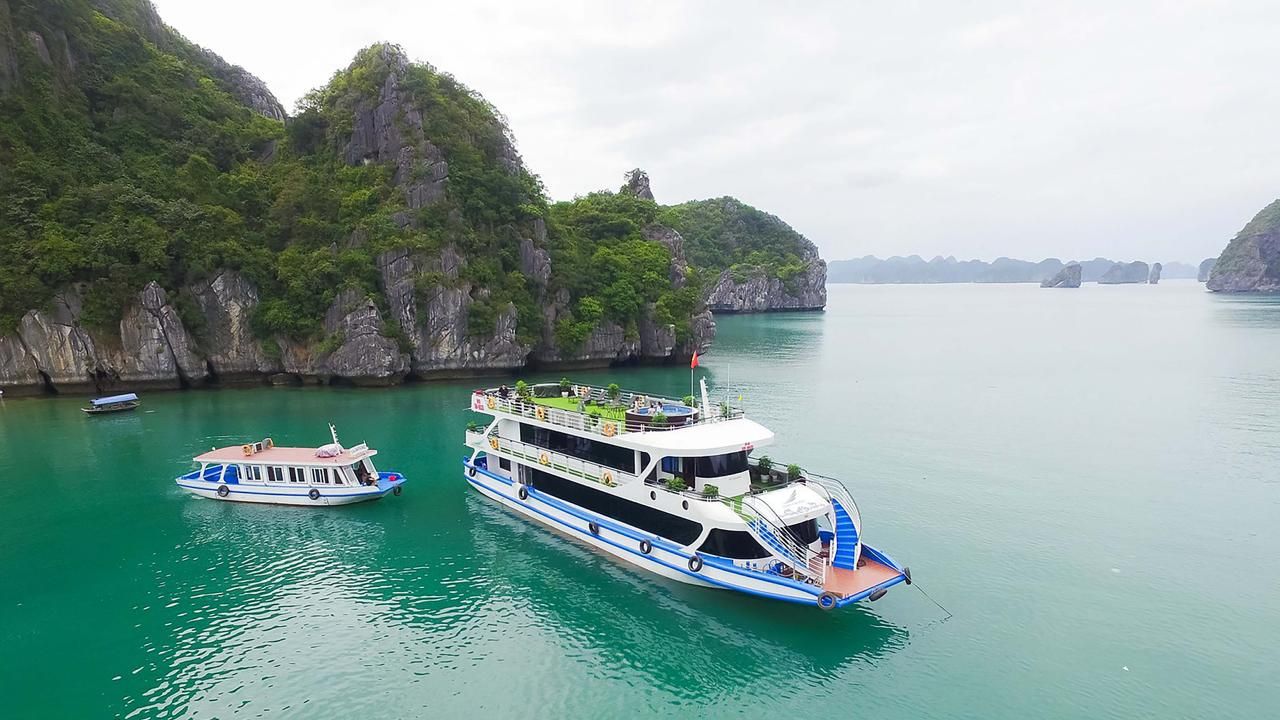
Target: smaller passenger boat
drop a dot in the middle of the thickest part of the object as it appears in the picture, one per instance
(115, 403)
(261, 472)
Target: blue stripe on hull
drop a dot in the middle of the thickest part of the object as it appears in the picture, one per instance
(716, 562)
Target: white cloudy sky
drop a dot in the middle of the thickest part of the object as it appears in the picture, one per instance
(1144, 129)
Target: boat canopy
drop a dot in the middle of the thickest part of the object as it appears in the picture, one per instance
(128, 397)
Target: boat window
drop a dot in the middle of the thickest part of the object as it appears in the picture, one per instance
(296, 475)
(252, 472)
(320, 476)
(504, 463)
(275, 474)
(720, 465)
(735, 544)
(339, 478)
(806, 531)
(601, 453)
(649, 519)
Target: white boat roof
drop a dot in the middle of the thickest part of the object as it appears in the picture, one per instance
(285, 456)
(711, 438)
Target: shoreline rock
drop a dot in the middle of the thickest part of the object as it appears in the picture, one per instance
(1067, 277)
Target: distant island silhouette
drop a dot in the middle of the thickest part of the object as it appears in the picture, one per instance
(914, 269)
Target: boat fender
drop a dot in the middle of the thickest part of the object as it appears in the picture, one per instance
(522, 493)
(541, 412)
(828, 600)
(862, 561)
(695, 563)
(395, 490)
(593, 527)
(877, 595)
(314, 494)
(906, 572)
(646, 547)
(471, 471)
(223, 491)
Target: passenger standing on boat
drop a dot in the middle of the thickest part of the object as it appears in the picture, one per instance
(503, 391)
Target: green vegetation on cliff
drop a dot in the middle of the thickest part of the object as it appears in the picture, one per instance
(727, 233)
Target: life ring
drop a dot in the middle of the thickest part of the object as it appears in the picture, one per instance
(395, 490)
(493, 443)
(593, 527)
(540, 413)
(471, 471)
(695, 563)
(522, 493)
(609, 429)
(491, 402)
(247, 449)
(607, 478)
(828, 601)
(314, 494)
(543, 459)
(223, 491)
(646, 547)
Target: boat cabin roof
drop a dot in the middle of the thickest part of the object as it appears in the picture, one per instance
(285, 456)
(701, 439)
(127, 397)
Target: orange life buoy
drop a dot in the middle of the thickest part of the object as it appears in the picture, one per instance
(607, 478)
(493, 443)
(543, 459)
(541, 413)
(491, 402)
(609, 429)
(247, 449)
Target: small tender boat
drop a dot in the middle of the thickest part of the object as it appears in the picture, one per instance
(115, 403)
(260, 472)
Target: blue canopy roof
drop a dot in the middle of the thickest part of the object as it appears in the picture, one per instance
(115, 399)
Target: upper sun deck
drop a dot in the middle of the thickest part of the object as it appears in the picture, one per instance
(295, 456)
(628, 418)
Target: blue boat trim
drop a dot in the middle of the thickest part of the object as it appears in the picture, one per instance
(712, 560)
(211, 480)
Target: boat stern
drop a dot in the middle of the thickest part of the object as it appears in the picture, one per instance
(390, 482)
(875, 573)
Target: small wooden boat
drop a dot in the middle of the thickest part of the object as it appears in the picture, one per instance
(115, 403)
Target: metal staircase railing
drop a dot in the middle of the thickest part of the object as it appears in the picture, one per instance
(839, 495)
(771, 531)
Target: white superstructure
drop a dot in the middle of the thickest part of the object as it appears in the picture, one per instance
(672, 488)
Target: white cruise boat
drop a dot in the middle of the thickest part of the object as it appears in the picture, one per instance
(672, 488)
(261, 472)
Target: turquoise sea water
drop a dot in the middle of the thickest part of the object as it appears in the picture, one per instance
(1088, 479)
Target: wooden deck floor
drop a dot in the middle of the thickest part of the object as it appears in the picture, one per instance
(851, 582)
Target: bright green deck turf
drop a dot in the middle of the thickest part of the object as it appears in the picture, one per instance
(571, 404)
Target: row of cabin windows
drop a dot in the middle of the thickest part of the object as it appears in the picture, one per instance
(600, 453)
(318, 476)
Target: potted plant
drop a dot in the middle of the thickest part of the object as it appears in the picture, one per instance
(725, 409)
(523, 391)
(710, 491)
(765, 466)
(473, 426)
(675, 484)
(614, 392)
(659, 418)
(565, 385)
(688, 401)
(794, 472)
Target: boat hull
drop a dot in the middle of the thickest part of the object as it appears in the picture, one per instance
(276, 495)
(623, 542)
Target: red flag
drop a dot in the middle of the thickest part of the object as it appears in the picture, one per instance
(694, 362)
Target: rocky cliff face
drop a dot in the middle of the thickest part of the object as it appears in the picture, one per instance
(150, 348)
(1251, 261)
(1154, 277)
(759, 292)
(1067, 277)
(1126, 273)
(1205, 269)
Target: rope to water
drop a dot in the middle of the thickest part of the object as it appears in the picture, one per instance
(935, 602)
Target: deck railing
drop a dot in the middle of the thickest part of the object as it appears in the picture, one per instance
(535, 456)
(492, 400)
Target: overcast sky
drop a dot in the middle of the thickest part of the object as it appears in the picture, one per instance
(1143, 130)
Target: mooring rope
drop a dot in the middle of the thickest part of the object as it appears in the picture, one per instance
(935, 602)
